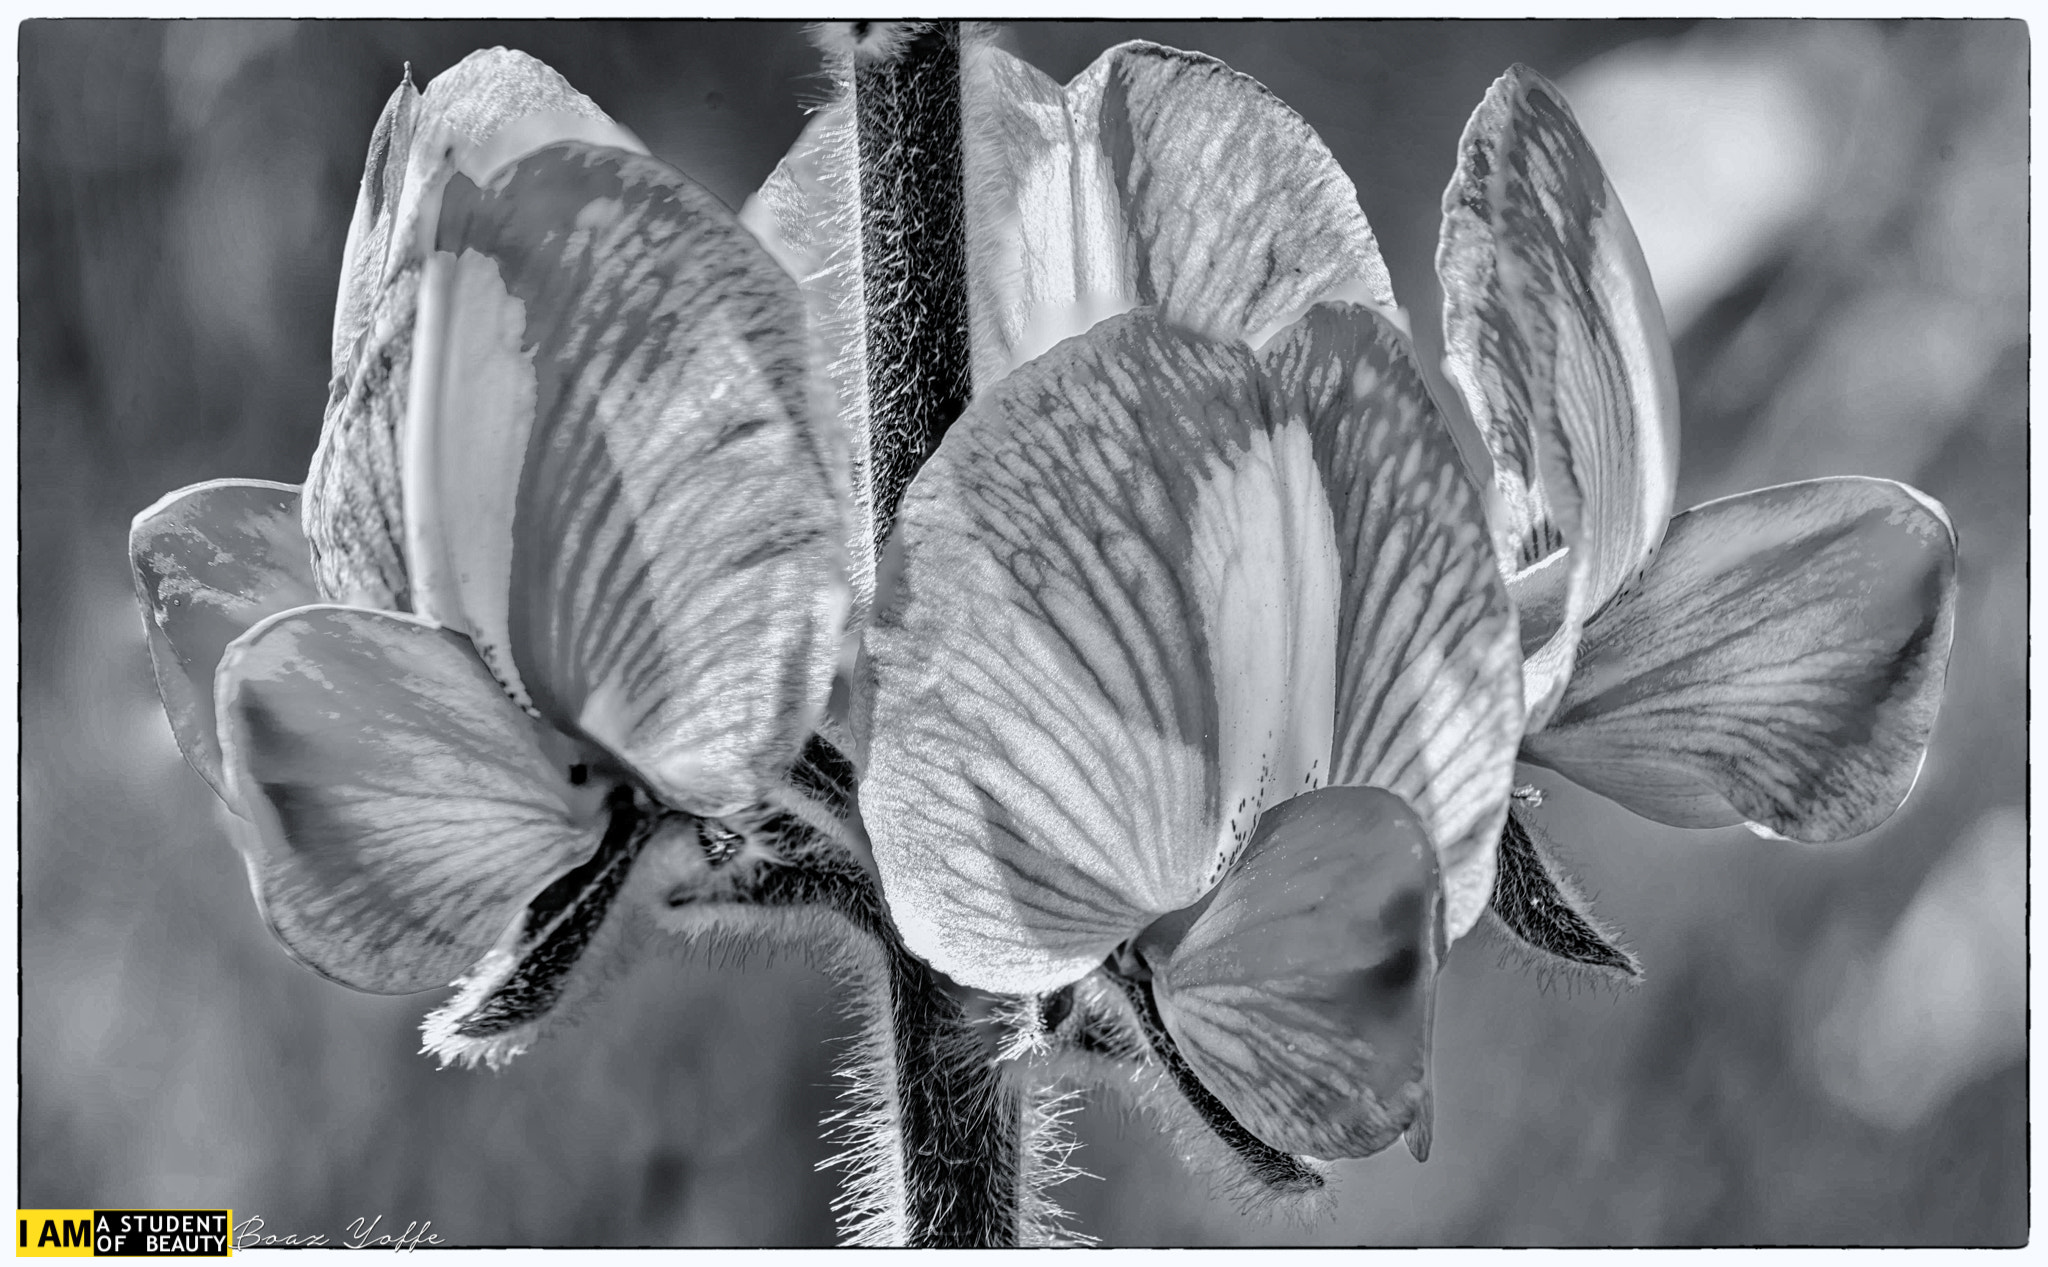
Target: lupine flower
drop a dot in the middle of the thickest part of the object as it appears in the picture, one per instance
(1774, 658)
(1157, 177)
(1198, 656)
(570, 581)
(1165, 181)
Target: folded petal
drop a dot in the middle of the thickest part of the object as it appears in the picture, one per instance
(1553, 337)
(403, 810)
(493, 106)
(210, 561)
(1429, 668)
(615, 479)
(1781, 661)
(805, 216)
(352, 515)
(1157, 177)
(1303, 995)
(364, 255)
(1111, 641)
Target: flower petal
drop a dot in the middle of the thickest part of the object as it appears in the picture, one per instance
(1303, 996)
(1781, 661)
(1429, 671)
(210, 561)
(404, 810)
(365, 254)
(615, 480)
(1553, 336)
(1110, 642)
(805, 217)
(1157, 177)
(493, 106)
(351, 511)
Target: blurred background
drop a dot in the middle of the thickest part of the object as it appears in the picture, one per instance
(1829, 1045)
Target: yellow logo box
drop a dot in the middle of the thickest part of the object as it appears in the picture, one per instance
(124, 1233)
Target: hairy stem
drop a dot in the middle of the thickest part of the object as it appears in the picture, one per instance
(913, 246)
(960, 1128)
(937, 1141)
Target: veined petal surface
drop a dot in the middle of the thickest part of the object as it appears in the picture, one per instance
(210, 561)
(1781, 661)
(1429, 674)
(1158, 178)
(1554, 339)
(493, 106)
(1303, 996)
(1110, 642)
(616, 481)
(404, 811)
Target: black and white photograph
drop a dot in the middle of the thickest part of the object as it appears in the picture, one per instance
(958, 633)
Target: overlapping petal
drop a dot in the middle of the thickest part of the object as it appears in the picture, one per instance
(1303, 995)
(210, 561)
(1159, 178)
(490, 108)
(1429, 669)
(404, 811)
(1781, 661)
(1554, 338)
(1117, 635)
(615, 481)
(1045, 770)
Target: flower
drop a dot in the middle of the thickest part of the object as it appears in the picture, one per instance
(1157, 177)
(1165, 182)
(1775, 657)
(569, 583)
(1199, 656)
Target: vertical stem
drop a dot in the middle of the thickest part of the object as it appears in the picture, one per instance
(957, 1127)
(959, 1124)
(913, 242)
(938, 1146)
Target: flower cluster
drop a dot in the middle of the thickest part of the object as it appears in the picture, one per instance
(1194, 658)
(1198, 663)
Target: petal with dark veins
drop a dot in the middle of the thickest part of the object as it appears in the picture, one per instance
(210, 561)
(616, 480)
(1110, 642)
(1555, 341)
(1159, 178)
(490, 108)
(1781, 661)
(403, 810)
(1429, 669)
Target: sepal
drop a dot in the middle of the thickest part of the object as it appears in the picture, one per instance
(1539, 908)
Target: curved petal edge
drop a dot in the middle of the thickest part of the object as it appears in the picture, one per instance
(1781, 661)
